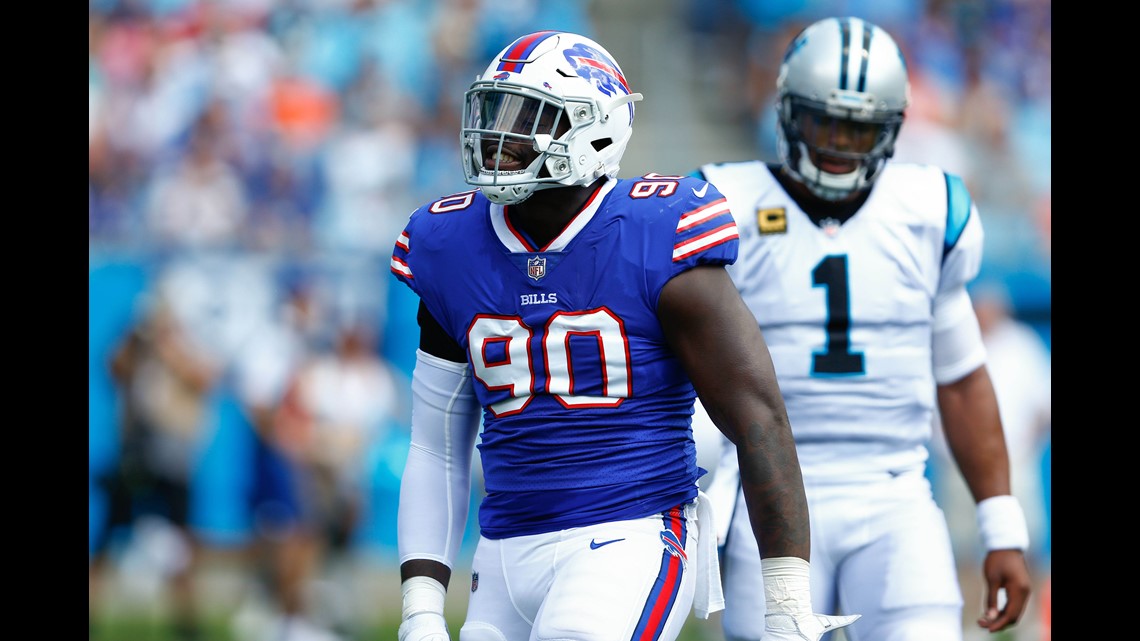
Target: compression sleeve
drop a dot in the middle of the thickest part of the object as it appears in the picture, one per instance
(435, 488)
(957, 347)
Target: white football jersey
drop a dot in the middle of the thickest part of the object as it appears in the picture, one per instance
(847, 309)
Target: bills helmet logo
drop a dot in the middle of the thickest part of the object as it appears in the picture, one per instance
(591, 64)
(502, 76)
(536, 267)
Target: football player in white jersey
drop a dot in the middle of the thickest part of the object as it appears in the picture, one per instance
(856, 270)
(580, 315)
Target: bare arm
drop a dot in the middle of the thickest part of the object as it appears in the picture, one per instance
(720, 344)
(974, 434)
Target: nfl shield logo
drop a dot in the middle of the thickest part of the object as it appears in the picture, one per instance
(830, 226)
(536, 267)
(474, 581)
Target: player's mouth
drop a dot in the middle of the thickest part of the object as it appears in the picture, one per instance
(501, 161)
(836, 166)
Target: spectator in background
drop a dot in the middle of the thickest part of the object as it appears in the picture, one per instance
(368, 164)
(337, 404)
(264, 367)
(153, 81)
(164, 385)
(984, 121)
(930, 136)
(764, 49)
(113, 177)
(285, 194)
(301, 110)
(316, 411)
(201, 201)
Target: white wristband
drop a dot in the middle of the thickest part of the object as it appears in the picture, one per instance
(1001, 524)
(787, 587)
(422, 594)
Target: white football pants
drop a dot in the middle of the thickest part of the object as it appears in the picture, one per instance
(880, 547)
(618, 581)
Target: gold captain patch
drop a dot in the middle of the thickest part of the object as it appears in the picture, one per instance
(772, 221)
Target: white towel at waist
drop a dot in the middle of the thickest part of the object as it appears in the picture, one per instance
(709, 596)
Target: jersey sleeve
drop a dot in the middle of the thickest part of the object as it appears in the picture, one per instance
(957, 347)
(415, 263)
(963, 242)
(400, 265)
(706, 232)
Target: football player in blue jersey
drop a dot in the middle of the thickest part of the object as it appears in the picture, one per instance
(856, 270)
(579, 315)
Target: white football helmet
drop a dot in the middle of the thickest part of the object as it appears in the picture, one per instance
(559, 93)
(841, 96)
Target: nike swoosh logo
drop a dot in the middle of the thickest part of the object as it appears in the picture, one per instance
(595, 545)
(700, 193)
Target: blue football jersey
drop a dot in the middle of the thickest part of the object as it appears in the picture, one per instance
(586, 410)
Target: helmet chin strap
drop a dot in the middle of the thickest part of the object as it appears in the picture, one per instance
(513, 194)
(507, 194)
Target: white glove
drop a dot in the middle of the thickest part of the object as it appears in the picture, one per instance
(785, 627)
(425, 626)
(423, 610)
(787, 602)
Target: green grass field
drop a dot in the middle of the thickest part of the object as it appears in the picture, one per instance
(141, 627)
(367, 596)
(133, 609)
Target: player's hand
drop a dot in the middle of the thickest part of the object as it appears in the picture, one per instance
(425, 626)
(785, 627)
(1005, 569)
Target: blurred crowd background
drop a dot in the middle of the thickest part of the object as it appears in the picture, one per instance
(250, 165)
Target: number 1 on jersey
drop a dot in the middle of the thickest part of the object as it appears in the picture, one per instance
(837, 358)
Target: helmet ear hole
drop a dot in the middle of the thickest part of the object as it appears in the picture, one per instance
(601, 143)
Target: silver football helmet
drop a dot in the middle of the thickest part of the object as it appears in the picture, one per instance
(840, 99)
(560, 94)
